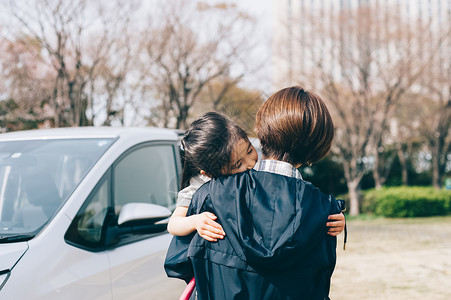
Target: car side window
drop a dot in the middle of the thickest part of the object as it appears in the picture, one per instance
(146, 175)
(92, 219)
(88, 226)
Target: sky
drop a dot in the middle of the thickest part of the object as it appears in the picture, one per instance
(262, 11)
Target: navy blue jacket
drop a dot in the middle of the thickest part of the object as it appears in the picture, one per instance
(276, 244)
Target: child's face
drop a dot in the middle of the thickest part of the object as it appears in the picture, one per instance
(244, 157)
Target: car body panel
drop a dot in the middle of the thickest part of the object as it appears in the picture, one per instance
(11, 253)
(51, 268)
(58, 271)
(143, 266)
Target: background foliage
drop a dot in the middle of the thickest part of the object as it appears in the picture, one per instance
(405, 201)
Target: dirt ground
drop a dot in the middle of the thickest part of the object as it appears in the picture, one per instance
(394, 259)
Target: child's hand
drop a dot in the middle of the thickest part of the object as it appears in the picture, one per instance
(207, 228)
(337, 225)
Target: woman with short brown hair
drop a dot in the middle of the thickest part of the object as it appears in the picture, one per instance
(294, 126)
(276, 244)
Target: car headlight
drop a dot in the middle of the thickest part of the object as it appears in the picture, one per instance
(4, 275)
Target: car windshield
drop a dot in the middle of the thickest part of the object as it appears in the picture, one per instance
(37, 177)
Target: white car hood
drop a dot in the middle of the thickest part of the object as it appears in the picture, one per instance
(10, 253)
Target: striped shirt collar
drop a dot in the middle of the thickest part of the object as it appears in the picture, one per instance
(277, 167)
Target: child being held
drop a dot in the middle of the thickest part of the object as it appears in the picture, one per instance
(214, 146)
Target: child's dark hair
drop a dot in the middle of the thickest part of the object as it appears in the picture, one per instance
(208, 144)
(294, 126)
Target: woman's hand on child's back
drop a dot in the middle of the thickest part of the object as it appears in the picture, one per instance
(336, 224)
(207, 227)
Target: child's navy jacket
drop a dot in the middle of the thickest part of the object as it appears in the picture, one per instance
(276, 244)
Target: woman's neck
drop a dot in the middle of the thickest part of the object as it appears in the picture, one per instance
(272, 158)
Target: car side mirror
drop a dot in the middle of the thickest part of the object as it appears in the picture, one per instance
(143, 213)
(138, 218)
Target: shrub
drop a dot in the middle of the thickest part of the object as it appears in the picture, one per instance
(407, 201)
(368, 204)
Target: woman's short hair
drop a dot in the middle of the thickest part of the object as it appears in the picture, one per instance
(294, 126)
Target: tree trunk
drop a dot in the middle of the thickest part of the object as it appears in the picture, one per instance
(54, 103)
(382, 166)
(353, 197)
(377, 178)
(71, 115)
(376, 175)
(108, 108)
(84, 121)
(402, 161)
(436, 145)
(182, 118)
(436, 174)
(352, 181)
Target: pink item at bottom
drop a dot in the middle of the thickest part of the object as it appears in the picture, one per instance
(188, 290)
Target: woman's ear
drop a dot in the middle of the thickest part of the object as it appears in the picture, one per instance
(202, 172)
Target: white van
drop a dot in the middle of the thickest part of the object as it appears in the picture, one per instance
(83, 213)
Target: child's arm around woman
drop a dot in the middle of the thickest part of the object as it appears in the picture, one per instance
(204, 224)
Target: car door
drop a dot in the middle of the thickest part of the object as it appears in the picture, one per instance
(145, 174)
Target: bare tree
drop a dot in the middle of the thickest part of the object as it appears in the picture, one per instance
(407, 122)
(74, 37)
(239, 103)
(192, 45)
(25, 86)
(436, 123)
(363, 68)
(435, 85)
(111, 84)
